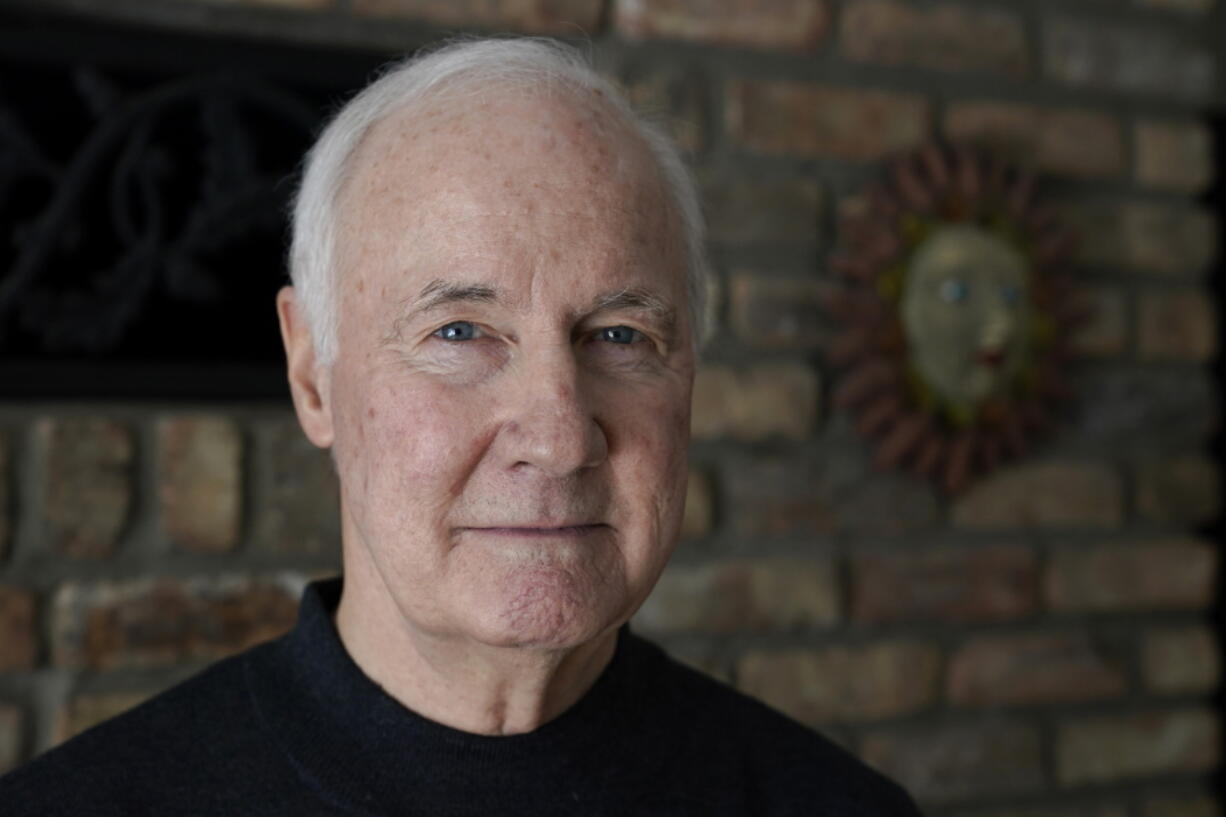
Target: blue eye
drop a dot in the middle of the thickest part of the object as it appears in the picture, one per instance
(460, 330)
(954, 291)
(619, 334)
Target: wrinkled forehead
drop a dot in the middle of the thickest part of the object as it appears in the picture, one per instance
(518, 138)
(537, 163)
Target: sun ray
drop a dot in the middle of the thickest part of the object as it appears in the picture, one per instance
(903, 439)
(870, 379)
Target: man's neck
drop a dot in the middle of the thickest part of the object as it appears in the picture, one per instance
(457, 682)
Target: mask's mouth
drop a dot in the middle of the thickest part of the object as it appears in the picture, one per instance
(991, 358)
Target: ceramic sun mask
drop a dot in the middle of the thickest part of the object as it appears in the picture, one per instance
(965, 310)
(954, 314)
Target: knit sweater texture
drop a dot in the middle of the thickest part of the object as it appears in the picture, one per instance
(293, 727)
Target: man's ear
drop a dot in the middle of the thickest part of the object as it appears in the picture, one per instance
(308, 382)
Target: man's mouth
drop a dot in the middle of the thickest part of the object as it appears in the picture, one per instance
(546, 531)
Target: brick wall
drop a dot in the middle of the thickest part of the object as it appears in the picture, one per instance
(1040, 645)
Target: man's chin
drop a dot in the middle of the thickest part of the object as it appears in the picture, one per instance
(542, 616)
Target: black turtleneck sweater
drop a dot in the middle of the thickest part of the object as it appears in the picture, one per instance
(293, 727)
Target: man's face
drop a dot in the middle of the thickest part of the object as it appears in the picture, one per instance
(510, 400)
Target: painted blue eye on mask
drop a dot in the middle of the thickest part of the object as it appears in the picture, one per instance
(954, 290)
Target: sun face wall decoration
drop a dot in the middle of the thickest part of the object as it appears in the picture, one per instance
(954, 320)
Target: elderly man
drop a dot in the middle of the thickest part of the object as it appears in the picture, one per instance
(498, 291)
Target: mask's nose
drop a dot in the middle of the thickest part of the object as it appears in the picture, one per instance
(998, 327)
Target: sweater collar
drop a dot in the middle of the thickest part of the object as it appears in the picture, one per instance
(358, 746)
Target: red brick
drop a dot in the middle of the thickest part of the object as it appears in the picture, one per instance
(1160, 239)
(944, 37)
(200, 482)
(18, 635)
(1104, 334)
(805, 495)
(1133, 410)
(1176, 325)
(90, 709)
(861, 683)
(1126, 747)
(793, 25)
(777, 593)
(955, 761)
(12, 736)
(151, 623)
(1091, 53)
(563, 17)
(1182, 660)
(302, 510)
(991, 582)
(698, 506)
(87, 487)
(805, 119)
(778, 497)
(775, 313)
(676, 102)
(1043, 495)
(746, 210)
(1068, 141)
(1175, 575)
(1185, 490)
(1034, 668)
(1197, 805)
(768, 401)
(1174, 155)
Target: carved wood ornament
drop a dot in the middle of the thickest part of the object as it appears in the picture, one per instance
(954, 319)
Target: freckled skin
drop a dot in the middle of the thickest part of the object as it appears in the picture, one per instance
(536, 421)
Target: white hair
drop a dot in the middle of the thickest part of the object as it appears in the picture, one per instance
(526, 64)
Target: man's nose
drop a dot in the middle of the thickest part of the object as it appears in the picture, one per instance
(552, 426)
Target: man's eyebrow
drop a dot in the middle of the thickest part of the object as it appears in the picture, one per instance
(439, 292)
(435, 294)
(636, 299)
